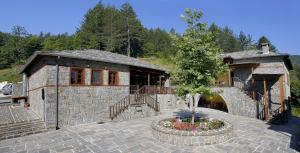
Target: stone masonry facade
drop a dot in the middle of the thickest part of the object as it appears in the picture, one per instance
(237, 102)
(77, 103)
(268, 66)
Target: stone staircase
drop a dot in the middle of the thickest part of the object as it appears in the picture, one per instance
(238, 103)
(136, 111)
(243, 100)
(137, 105)
(23, 128)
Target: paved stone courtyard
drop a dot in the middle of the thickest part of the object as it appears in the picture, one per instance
(250, 135)
(15, 113)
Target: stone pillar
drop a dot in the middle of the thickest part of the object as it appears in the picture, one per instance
(24, 86)
(167, 83)
(87, 77)
(229, 78)
(105, 77)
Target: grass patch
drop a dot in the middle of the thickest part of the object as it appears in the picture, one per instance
(296, 111)
(162, 62)
(11, 74)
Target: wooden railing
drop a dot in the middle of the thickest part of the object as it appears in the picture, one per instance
(141, 96)
(133, 88)
(263, 112)
(279, 116)
(152, 103)
(117, 108)
(159, 90)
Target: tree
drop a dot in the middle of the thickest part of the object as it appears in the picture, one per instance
(246, 41)
(157, 43)
(3, 38)
(264, 39)
(295, 85)
(132, 32)
(224, 38)
(111, 29)
(32, 44)
(14, 50)
(59, 42)
(90, 34)
(197, 60)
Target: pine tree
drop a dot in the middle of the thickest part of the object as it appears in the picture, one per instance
(246, 41)
(132, 31)
(90, 34)
(110, 29)
(264, 39)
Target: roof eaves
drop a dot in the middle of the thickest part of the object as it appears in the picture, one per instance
(39, 53)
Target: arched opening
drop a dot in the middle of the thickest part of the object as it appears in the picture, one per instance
(214, 101)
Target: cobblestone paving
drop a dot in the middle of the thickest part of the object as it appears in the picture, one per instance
(251, 135)
(14, 113)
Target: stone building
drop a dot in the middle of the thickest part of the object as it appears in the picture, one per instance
(262, 75)
(84, 83)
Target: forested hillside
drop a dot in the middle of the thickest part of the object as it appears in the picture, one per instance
(296, 64)
(118, 30)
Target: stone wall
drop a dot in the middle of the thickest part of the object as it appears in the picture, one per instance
(77, 103)
(167, 101)
(271, 65)
(17, 89)
(82, 104)
(36, 82)
(237, 102)
(188, 138)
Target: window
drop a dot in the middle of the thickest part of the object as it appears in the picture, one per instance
(96, 78)
(77, 76)
(113, 78)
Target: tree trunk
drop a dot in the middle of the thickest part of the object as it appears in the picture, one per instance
(193, 111)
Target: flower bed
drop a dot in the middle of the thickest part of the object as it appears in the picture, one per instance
(200, 124)
(203, 132)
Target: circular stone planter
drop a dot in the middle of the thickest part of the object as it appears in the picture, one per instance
(189, 138)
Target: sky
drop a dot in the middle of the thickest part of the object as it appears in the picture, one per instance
(278, 20)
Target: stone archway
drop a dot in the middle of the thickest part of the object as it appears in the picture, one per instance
(237, 102)
(214, 101)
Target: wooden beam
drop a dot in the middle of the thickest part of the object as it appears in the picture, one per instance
(266, 101)
(253, 85)
(253, 88)
(149, 77)
(229, 78)
(282, 93)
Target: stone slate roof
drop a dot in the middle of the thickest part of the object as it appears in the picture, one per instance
(250, 54)
(97, 55)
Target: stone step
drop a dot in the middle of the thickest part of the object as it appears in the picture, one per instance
(11, 128)
(23, 130)
(20, 123)
(19, 129)
(22, 134)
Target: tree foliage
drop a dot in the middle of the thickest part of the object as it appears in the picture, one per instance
(228, 41)
(295, 77)
(197, 60)
(103, 27)
(264, 39)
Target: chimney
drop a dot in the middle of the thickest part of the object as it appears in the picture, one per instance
(265, 48)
